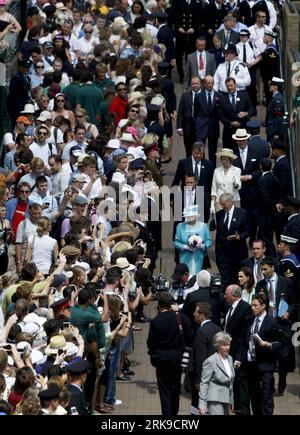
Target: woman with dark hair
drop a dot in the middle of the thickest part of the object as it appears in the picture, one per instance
(24, 380)
(247, 283)
(137, 10)
(60, 108)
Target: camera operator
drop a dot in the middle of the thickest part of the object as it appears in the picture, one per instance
(182, 282)
(165, 349)
(208, 291)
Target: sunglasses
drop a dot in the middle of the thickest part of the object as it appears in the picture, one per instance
(43, 133)
(134, 111)
(60, 101)
(39, 66)
(80, 116)
(24, 191)
(87, 32)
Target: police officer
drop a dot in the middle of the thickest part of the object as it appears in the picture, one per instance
(275, 111)
(270, 63)
(249, 55)
(232, 67)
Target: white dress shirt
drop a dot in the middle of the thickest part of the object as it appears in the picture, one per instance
(238, 71)
(257, 36)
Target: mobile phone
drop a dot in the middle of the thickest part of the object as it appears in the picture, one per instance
(60, 352)
(73, 410)
(66, 325)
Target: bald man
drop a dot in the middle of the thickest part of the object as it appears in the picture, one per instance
(207, 118)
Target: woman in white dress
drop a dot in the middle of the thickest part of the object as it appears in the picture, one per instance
(226, 179)
(42, 249)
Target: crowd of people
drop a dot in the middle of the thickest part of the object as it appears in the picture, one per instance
(91, 110)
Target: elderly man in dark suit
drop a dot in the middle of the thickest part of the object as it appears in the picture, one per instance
(259, 356)
(186, 115)
(248, 162)
(199, 63)
(233, 229)
(207, 117)
(202, 349)
(236, 317)
(235, 109)
(165, 343)
(202, 169)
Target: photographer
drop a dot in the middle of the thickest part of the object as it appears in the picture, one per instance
(165, 347)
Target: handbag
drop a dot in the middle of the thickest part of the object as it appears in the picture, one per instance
(186, 351)
(212, 223)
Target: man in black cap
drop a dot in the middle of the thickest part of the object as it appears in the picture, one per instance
(19, 91)
(78, 374)
(270, 63)
(275, 111)
(256, 141)
(249, 55)
(49, 400)
(233, 68)
(165, 36)
(291, 207)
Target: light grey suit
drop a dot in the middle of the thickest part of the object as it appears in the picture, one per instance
(192, 70)
(216, 388)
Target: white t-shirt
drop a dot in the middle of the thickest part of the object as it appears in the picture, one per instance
(43, 151)
(42, 249)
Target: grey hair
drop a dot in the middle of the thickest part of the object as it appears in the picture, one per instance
(198, 146)
(221, 338)
(203, 278)
(235, 290)
(226, 197)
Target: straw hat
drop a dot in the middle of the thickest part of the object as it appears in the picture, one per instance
(121, 246)
(57, 342)
(241, 134)
(124, 264)
(226, 152)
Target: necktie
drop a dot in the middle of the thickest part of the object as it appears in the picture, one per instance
(271, 291)
(255, 331)
(197, 171)
(256, 326)
(228, 69)
(193, 104)
(226, 221)
(228, 317)
(243, 157)
(201, 62)
(209, 102)
(244, 54)
(191, 198)
(258, 271)
(233, 101)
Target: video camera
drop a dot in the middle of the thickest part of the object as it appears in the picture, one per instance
(216, 286)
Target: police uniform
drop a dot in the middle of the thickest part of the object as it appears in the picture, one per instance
(269, 66)
(289, 266)
(237, 70)
(247, 54)
(77, 399)
(274, 117)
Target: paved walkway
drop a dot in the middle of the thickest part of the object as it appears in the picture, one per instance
(140, 397)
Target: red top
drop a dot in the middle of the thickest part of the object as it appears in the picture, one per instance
(118, 106)
(19, 216)
(14, 399)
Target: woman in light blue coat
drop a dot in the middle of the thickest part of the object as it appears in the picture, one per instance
(216, 388)
(192, 239)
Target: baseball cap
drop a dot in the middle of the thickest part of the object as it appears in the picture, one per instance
(24, 120)
(75, 151)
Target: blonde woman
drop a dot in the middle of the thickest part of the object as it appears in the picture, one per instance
(226, 179)
(42, 249)
(82, 118)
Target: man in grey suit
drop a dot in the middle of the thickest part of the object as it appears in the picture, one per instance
(199, 63)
